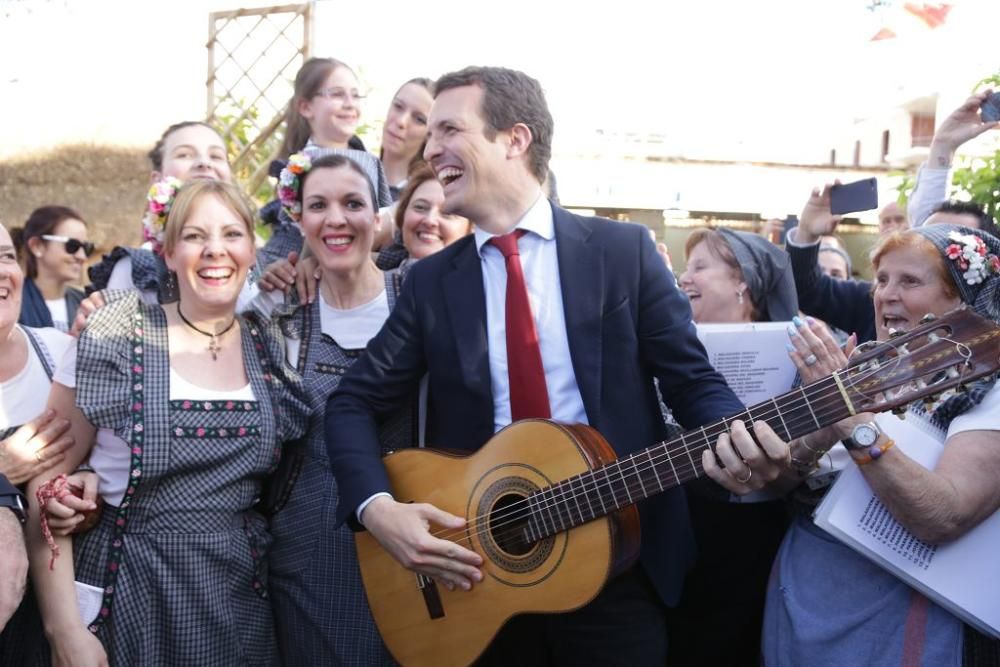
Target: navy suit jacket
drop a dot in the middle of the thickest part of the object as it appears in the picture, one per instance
(627, 323)
(845, 304)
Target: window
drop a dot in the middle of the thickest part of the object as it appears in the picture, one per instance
(921, 129)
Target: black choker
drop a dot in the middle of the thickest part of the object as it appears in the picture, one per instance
(213, 344)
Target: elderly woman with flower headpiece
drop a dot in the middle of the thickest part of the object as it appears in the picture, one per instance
(826, 603)
(321, 612)
(730, 277)
(188, 403)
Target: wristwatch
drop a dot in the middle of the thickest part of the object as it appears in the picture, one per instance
(11, 497)
(863, 436)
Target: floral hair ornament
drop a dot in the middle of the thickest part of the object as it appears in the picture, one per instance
(290, 184)
(159, 199)
(970, 254)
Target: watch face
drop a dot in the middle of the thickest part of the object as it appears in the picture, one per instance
(865, 435)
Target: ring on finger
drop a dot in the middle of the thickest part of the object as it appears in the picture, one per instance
(810, 360)
(747, 479)
(38, 455)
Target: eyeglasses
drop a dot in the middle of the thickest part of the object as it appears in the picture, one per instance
(339, 94)
(72, 245)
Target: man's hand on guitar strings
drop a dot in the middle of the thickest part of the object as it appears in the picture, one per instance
(404, 530)
(746, 465)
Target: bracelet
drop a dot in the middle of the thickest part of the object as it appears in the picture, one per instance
(875, 453)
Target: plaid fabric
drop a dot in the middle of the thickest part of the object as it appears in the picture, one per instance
(320, 607)
(149, 272)
(183, 559)
(393, 255)
(284, 239)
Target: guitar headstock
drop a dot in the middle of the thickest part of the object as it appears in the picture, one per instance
(951, 351)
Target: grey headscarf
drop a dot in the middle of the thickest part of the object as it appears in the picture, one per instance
(837, 251)
(369, 164)
(981, 291)
(767, 271)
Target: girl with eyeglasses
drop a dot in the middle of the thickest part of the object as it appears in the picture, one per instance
(53, 244)
(322, 114)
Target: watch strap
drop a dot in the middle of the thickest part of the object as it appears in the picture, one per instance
(12, 498)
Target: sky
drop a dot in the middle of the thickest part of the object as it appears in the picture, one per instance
(766, 80)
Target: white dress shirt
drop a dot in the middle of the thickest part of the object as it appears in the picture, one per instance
(540, 265)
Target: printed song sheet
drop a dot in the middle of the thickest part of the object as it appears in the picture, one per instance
(751, 356)
(961, 576)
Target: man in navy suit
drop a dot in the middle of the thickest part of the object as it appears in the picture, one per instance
(609, 320)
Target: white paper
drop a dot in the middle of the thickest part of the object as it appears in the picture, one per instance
(961, 576)
(88, 601)
(752, 357)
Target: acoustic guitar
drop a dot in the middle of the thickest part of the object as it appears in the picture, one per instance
(551, 510)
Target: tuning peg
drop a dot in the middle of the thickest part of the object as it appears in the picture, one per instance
(929, 317)
(895, 333)
(930, 400)
(899, 411)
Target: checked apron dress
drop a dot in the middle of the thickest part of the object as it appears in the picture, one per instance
(182, 559)
(320, 607)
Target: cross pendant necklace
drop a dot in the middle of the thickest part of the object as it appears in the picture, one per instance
(213, 344)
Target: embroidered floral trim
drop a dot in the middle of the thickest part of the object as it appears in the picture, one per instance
(215, 431)
(969, 253)
(290, 183)
(137, 442)
(216, 406)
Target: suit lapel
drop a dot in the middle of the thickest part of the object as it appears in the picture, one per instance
(466, 303)
(581, 273)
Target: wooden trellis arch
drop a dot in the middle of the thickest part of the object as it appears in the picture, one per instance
(253, 55)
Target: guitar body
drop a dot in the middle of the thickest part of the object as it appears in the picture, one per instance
(426, 624)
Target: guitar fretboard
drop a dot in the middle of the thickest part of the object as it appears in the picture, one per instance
(663, 466)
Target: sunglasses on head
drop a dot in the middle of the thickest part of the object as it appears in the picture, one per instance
(72, 245)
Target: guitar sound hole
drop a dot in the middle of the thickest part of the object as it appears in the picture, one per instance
(509, 523)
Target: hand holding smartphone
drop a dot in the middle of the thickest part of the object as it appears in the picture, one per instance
(989, 110)
(852, 197)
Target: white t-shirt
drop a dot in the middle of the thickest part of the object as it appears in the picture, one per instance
(111, 457)
(351, 328)
(23, 397)
(59, 313)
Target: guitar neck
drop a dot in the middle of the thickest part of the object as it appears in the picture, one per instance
(668, 464)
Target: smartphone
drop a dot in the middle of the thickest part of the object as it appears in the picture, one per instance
(989, 110)
(853, 197)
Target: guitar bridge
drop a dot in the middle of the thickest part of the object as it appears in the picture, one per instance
(432, 598)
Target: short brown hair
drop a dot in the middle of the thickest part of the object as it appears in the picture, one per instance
(719, 247)
(910, 239)
(191, 192)
(420, 173)
(510, 97)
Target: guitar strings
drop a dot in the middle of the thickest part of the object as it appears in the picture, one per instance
(820, 391)
(559, 500)
(632, 480)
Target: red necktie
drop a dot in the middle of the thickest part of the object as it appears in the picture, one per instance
(528, 395)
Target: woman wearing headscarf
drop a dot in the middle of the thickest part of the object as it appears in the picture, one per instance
(731, 277)
(826, 603)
